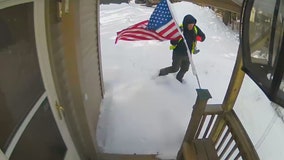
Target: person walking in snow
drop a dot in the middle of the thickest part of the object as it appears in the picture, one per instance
(180, 60)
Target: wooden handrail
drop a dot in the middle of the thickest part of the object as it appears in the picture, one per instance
(211, 109)
(215, 133)
(241, 137)
(235, 83)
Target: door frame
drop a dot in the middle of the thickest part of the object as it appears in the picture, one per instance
(45, 67)
(46, 73)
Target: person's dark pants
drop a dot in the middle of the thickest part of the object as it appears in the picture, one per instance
(181, 63)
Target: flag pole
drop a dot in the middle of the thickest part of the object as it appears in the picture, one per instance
(187, 48)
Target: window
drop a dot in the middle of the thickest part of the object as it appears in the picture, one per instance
(262, 41)
(20, 83)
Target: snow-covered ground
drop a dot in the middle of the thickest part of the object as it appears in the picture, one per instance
(145, 114)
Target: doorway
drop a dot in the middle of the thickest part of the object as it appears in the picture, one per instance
(31, 127)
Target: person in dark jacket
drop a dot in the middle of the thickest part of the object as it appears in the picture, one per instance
(180, 60)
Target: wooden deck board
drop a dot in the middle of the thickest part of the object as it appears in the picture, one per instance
(105, 156)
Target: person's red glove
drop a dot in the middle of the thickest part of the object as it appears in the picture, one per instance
(198, 38)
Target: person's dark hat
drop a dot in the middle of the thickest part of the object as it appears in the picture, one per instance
(188, 19)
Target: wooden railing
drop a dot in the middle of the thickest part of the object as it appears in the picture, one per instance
(214, 134)
(227, 5)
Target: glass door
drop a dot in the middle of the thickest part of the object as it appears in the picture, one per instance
(30, 125)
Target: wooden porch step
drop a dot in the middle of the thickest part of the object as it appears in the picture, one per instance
(201, 149)
(105, 156)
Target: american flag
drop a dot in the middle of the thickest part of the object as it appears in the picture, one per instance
(161, 26)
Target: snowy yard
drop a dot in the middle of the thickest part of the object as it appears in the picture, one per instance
(145, 114)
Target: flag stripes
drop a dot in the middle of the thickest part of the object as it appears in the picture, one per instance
(169, 31)
(161, 26)
(138, 32)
